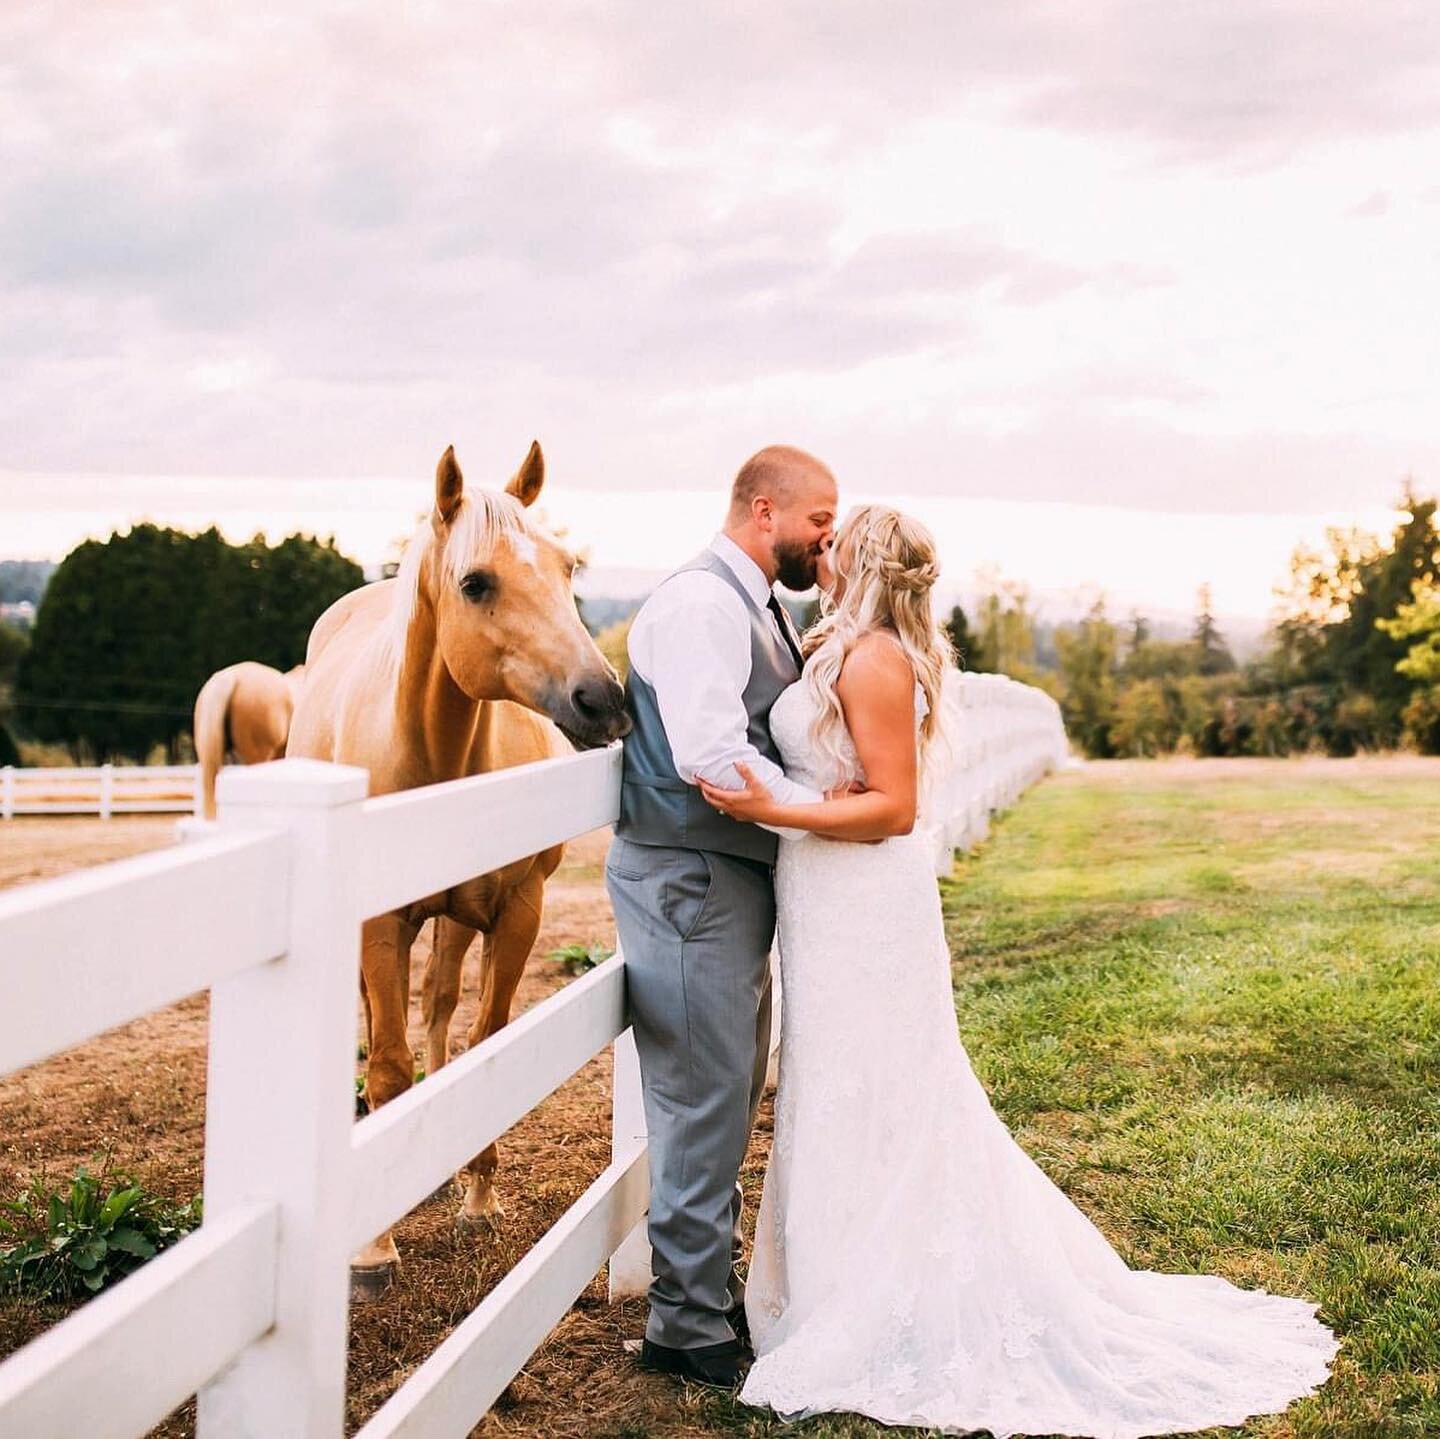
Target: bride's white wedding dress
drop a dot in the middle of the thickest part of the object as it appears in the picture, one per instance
(911, 1262)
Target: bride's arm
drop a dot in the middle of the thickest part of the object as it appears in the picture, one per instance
(876, 689)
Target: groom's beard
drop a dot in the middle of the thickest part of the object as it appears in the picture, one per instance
(796, 565)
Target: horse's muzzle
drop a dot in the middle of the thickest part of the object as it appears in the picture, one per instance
(593, 713)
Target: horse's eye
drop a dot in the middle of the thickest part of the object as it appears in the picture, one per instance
(478, 585)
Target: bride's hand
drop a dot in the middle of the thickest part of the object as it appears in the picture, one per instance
(754, 803)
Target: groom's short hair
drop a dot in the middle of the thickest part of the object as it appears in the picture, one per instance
(773, 471)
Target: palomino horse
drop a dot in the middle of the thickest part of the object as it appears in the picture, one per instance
(452, 669)
(242, 710)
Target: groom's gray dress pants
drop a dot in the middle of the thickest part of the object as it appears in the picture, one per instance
(695, 928)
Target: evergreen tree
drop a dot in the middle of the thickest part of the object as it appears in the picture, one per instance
(13, 644)
(130, 628)
(1338, 635)
(1213, 657)
(1364, 655)
(1005, 643)
(958, 628)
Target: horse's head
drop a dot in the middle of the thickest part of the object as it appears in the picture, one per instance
(505, 618)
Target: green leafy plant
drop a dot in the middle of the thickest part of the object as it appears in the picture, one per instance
(362, 1105)
(74, 1241)
(577, 958)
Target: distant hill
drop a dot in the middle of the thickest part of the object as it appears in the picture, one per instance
(22, 580)
(602, 611)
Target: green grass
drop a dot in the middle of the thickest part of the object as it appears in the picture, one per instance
(1210, 1009)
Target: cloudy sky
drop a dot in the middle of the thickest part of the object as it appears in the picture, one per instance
(1079, 280)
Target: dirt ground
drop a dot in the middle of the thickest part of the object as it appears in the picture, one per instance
(135, 1099)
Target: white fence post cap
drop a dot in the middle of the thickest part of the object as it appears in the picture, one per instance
(312, 783)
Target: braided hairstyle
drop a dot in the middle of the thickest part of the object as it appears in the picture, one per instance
(885, 570)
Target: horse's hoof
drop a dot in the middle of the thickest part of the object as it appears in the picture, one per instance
(483, 1225)
(369, 1284)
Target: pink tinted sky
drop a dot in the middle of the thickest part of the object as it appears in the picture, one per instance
(1001, 261)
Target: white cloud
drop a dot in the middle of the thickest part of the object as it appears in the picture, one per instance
(1107, 253)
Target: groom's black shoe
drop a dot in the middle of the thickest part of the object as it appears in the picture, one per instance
(722, 1366)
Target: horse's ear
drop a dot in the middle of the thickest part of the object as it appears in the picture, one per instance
(449, 485)
(529, 479)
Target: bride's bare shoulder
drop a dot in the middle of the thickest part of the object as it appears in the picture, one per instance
(876, 660)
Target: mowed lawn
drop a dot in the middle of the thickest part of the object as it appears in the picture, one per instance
(1205, 995)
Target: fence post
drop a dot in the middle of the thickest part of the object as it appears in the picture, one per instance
(630, 1263)
(107, 790)
(281, 1105)
(7, 792)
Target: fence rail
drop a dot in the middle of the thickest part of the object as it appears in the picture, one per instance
(176, 1321)
(266, 911)
(103, 790)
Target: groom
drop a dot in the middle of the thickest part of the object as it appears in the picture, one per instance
(693, 891)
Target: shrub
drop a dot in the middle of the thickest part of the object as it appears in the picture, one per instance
(45, 756)
(1268, 731)
(611, 642)
(1422, 720)
(72, 1243)
(1143, 724)
(1357, 722)
(577, 958)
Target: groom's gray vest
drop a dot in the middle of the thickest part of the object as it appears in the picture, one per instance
(656, 805)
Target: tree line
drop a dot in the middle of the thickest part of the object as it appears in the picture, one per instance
(1352, 659)
(129, 628)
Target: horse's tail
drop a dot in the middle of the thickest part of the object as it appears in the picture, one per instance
(212, 714)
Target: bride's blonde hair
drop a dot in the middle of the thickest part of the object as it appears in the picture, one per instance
(885, 570)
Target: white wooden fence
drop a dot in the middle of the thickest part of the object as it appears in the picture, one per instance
(105, 790)
(251, 1310)
(1003, 736)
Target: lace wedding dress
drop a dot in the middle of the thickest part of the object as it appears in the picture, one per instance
(911, 1262)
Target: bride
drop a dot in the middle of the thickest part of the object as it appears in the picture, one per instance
(911, 1262)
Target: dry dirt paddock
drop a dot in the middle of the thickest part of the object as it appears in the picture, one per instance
(135, 1098)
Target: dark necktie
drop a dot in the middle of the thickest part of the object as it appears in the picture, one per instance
(778, 610)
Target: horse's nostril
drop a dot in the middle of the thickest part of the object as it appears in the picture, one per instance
(598, 701)
(589, 700)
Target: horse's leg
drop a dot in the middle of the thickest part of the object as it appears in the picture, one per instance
(439, 995)
(441, 991)
(507, 947)
(389, 1068)
(369, 1017)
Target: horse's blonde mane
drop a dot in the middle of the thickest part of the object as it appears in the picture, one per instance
(484, 516)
